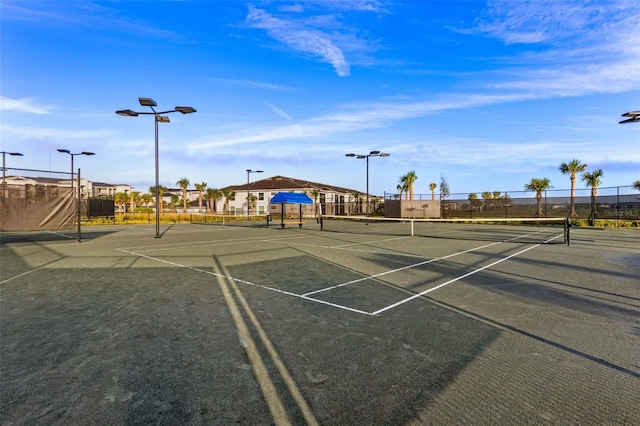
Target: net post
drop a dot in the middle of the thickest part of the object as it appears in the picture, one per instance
(78, 201)
(412, 227)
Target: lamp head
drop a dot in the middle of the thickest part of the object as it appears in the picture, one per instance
(88, 153)
(185, 109)
(163, 119)
(350, 155)
(147, 102)
(15, 153)
(374, 153)
(127, 113)
(66, 151)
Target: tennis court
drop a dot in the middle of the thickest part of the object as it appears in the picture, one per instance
(354, 324)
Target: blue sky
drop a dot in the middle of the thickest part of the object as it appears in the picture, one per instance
(487, 94)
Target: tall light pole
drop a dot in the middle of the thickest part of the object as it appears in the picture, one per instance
(249, 171)
(3, 169)
(158, 119)
(366, 156)
(78, 200)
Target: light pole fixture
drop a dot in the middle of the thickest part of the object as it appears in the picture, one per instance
(66, 151)
(249, 171)
(159, 118)
(633, 117)
(17, 154)
(78, 200)
(366, 156)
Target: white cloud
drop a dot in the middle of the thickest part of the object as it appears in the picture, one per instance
(280, 112)
(50, 133)
(301, 38)
(23, 105)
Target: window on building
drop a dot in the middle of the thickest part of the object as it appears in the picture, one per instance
(261, 196)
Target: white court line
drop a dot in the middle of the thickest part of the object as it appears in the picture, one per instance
(399, 269)
(459, 278)
(306, 295)
(172, 246)
(62, 235)
(288, 293)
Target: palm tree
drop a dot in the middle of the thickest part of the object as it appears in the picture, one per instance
(593, 180)
(472, 198)
(184, 183)
(201, 187)
(120, 199)
(400, 188)
(146, 199)
(409, 179)
(539, 186)
(432, 187)
(161, 191)
(403, 186)
(315, 193)
(486, 196)
(227, 193)
(572, 168)
(213, 195)
(136, 198)
(636, 185)
(175, 200)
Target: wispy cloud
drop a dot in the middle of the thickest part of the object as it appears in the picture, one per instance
(255, 84)
(83, 14)
(300, 37)
(280, 112)
(569, 48)
(23, 105)
(52, 133)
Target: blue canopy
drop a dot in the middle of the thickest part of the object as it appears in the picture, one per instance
(291, 198)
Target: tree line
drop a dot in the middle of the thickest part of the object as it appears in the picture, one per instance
(572, 168)
(211, 195)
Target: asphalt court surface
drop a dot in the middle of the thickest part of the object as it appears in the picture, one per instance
(340, 270)
(223, 324)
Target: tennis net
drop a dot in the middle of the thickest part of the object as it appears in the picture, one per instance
(522, 230)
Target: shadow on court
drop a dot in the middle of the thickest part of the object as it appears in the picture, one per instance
(225, 325)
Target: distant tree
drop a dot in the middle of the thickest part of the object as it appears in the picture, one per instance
(409, 179)
(227, 193)
(146, 199)
(432, 187)
(539, 186)
(161, 191)
(184, 184)
(403, 186)
(201, 187)
(473, 197)
(135, 199)
(572, 168)
(173, 204)
(121, 199)
(213, 196)
(592, 180)
(444, 194)
(636, 185)
(487, 196)
(315, 193)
